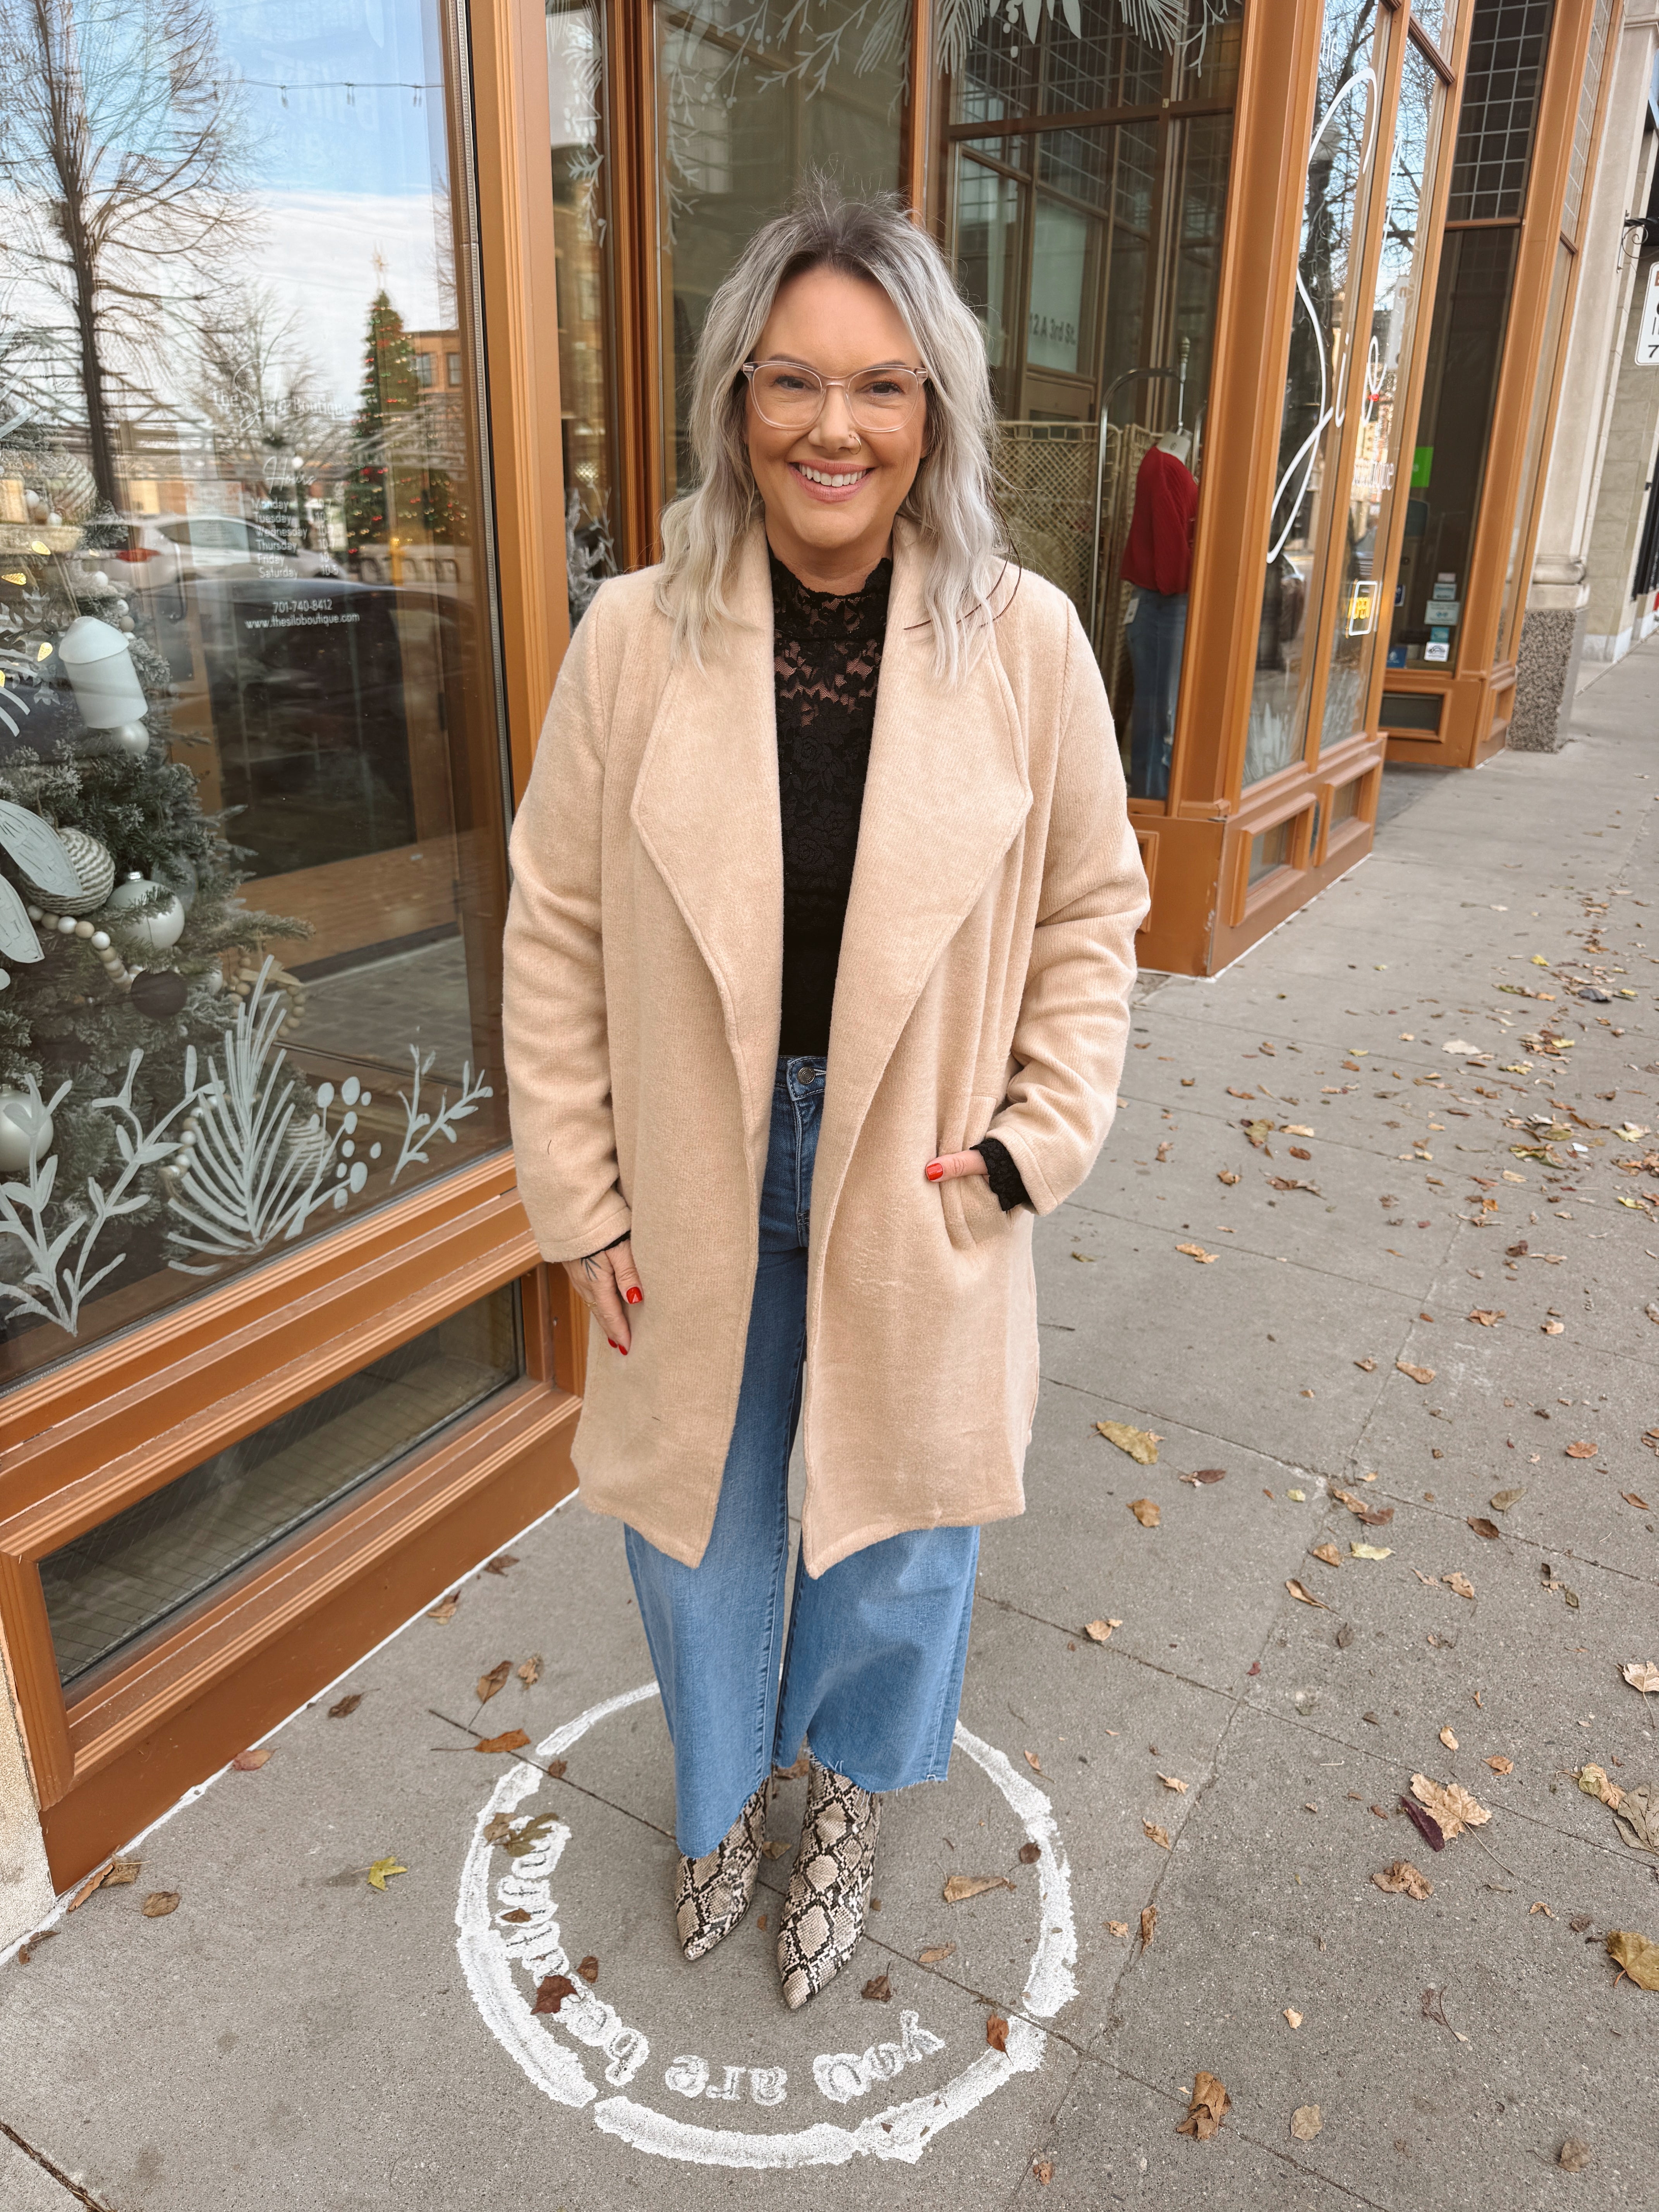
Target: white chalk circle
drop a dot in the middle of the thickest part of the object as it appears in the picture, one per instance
(504, 1960)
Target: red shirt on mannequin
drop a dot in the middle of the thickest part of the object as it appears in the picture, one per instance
(1158, 553)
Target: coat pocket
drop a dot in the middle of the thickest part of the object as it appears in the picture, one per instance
(972, 1214)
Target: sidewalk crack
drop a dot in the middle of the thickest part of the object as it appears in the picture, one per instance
(48, 2165)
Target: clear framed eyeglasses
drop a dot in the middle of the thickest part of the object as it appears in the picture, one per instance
(791, 398)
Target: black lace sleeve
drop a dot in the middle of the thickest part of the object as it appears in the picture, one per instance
(1006, 1181)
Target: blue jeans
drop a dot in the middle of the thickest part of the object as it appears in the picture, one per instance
(871, 1675)
(1157, 634)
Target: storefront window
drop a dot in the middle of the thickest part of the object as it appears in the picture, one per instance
(751, 96)
(1355, 621)
(129, 1577)
(1091, 254)
(251, 825)
(576, 76)
(1340, 174)
(1543, 389)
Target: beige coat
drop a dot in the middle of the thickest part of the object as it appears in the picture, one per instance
(983, 987)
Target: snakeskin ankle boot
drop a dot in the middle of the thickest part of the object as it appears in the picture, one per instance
(712, 1893)
(823, 1916)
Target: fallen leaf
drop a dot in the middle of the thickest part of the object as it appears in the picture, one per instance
(1630, 1498)
(961, 1887)
(1574, 2155)
(1293, 2016)
(121, 1872)
(27, 1951)
(500, 1563)
(509, 1739)
(1146, 1512)
(1305, 2123)
(1593, 1781)
(1305, 1596)
(1501, 1500)
(1210, 2105)
(1540, 1907)
(250, 1762)
(1173, 1782)
(93, 1882)
(1499, 1764)
(996, 2032)
(1156, 1835)
(1416, 1374)
(1044, 2170)
(589, 1970)
(1482, 1527)
(498, 1828)
(445, 1608)
(1098, 1630)
(1581, 1451)
(160, 1903)
(1257, 1132)
(1450, 1804)
(935, 1953)
(1553, 1329)
(1460, 1584)
(1196, 1252)
(1141, 1444)
(1226, 1175)
(531, 1673)
(551, 1992)
(1029, 1854)
(1370, 1551)
(1641, 1674)
(378, 1874)
(1636, 1955)
(1117, 1927)
(346, 1707)
(1205, 1475)
(1295, 1129)
(1088, 1258)
(1402, 1878)
(879, 1990)
(1488, 1317)
(1368, 1367)
(1148, 1925)
(488, 1684)
(1448, 1739)
(1329, 1553)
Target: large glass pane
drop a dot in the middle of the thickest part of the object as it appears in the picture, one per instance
(1542, 391)
(575, 74)
(1449, 462)
(1340, 170)
(126, 1578)
(253, 869)
(1502, 78)
(751, 95)
(1583, 121)
(1353, 623)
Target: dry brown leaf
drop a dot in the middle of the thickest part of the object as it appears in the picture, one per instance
(1488, 1317)
(1482, 1527)
(1293, 2016)
(1148, 1925)
(589, 1970)
(1499, 1764)
(1156, 1835)
(1098, 1630)
(1305, 1596)
(250, 1762)
(346, 1707)
(1402, 1878)
(1141, 1444)
(1369, 1551)
(1146, 1512)
(996, 2032)
(92, 1883)
(1460, 1584)
(878, 1989)
(1573, 2156)
(509, 1739)
(1226, 1175)
(1416, 1374)
(1033, 1762)
(1204, 1474)
(1044, 2170)
(1501, 1500)
(1641, 1674)
(498, 1828)
(935, 1953)
(551, 1992)
(1448, 1804)
(1173, 1782)
(1329, 1553)
(1633, 1498)
(1210, 2105)
(1117, 1927)
(1029, 1854)
(531, 1673)
(500, 1563)
(1636, 1955)
(1553, 1327)
(1581, 1451)
(1306, 2122)
(121, 1872)
(963, 1886)
(1368, 1367)
(160, 1903)
(1448, 1739)
(490, 1683)
(1196, 1252)
(1593, 1781)
(445, 1608)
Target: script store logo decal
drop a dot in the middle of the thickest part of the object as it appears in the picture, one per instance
(589, 2056)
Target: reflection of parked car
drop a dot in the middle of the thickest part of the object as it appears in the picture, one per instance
(160, 552)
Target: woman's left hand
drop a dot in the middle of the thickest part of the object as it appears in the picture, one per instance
(951, 1164)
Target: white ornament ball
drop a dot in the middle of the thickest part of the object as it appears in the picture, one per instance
(130, 738)
(100, 940)
(24, 1127)
(92, 863)
(156, 931)
(5, 979)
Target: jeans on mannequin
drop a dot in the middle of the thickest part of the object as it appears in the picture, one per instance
(1157, 634)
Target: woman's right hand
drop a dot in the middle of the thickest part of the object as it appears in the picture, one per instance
(609, 1283)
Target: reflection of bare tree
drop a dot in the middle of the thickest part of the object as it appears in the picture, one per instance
(260, 391)
(119, 160)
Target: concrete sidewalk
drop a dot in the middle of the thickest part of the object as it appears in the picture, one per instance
(289, 2037)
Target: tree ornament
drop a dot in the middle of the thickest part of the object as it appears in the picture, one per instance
(99, 668)
(94, 870)
(129, 737)
(158, 993)
(25, 1129)
(156, 931)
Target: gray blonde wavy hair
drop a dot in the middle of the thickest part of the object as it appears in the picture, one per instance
(950, 502)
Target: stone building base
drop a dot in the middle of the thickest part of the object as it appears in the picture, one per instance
(1552, 639)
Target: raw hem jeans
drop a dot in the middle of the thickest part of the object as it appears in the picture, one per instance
(872, 1672)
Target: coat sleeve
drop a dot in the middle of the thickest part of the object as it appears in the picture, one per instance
(1072, 1029)
(553, 1004)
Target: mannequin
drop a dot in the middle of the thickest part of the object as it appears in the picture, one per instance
(1158, 559)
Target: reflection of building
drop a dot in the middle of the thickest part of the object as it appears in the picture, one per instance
(1315, 267)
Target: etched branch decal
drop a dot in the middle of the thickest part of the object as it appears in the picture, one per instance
(422, 1129)
(60, 1276)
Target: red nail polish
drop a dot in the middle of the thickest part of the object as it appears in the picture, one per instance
(623, 1348)
(635, 1297)
(935, 1173)
(612, 1342)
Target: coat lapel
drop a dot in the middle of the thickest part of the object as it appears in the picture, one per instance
(945, 797)
(705, 807)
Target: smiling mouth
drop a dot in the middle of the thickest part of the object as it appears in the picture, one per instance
(837, 480)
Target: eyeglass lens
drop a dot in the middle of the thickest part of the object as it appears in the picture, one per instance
(877, 399)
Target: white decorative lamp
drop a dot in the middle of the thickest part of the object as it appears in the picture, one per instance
(104, 680)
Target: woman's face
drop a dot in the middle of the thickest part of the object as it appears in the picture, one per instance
(831, 491)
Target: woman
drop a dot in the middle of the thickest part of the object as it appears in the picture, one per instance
(817, 978)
